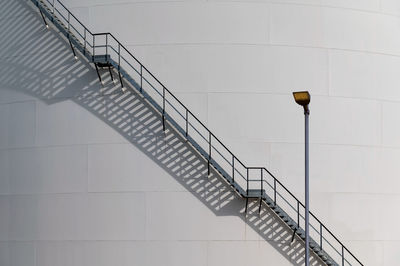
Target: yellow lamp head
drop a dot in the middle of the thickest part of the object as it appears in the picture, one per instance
(302, 98)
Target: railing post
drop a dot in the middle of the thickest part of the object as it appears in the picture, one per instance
(187, 123)
(209, 151)
(119, 66)
(262, 181)
(233, 168)
(141, 77)
(342, 255)
(69, 18)
(106, 46)
(298, 214)
(94, 44)
(163, 109)
(320, 235)
(84, 41)
(274, 191)
(247, 187)
(119, 56)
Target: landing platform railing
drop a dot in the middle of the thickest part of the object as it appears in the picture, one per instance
(218, 156)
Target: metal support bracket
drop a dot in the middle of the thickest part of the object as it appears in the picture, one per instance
(120, 79)
(72, 47)
(44, 19)
(247, 204)
(109, 70)
(294, 233)
(98, 74)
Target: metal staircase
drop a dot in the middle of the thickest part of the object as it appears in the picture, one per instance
(251, 183)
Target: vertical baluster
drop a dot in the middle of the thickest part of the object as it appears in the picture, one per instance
(119, 56)
(275, 191)
(163, 110)
(342, 255)
(163, 104)
(209, 151)
(84, 41)
(93, 47)
(298, 214)
(233, 168)
(187, 123)
(119, 66)
(320, 235)
(106, 55)
(247, 187)
(141, 77)
(262, 182)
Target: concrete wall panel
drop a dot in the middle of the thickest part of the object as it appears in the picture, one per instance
(48, 170)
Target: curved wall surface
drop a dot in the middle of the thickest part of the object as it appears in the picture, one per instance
(77, 189)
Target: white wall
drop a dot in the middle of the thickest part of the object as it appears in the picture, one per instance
(77, 191)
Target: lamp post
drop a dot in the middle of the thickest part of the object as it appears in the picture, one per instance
(303, 98)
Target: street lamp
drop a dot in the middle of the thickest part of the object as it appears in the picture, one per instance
(303, 99)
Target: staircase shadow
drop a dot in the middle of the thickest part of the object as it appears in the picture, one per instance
(38, 62)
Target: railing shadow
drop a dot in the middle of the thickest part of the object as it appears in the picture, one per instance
(39, 63)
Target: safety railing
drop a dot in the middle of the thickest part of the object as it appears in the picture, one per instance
(218, 156)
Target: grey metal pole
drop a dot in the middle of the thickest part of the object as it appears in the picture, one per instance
(307, 183)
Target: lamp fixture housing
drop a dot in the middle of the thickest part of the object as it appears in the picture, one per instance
(302, 98)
